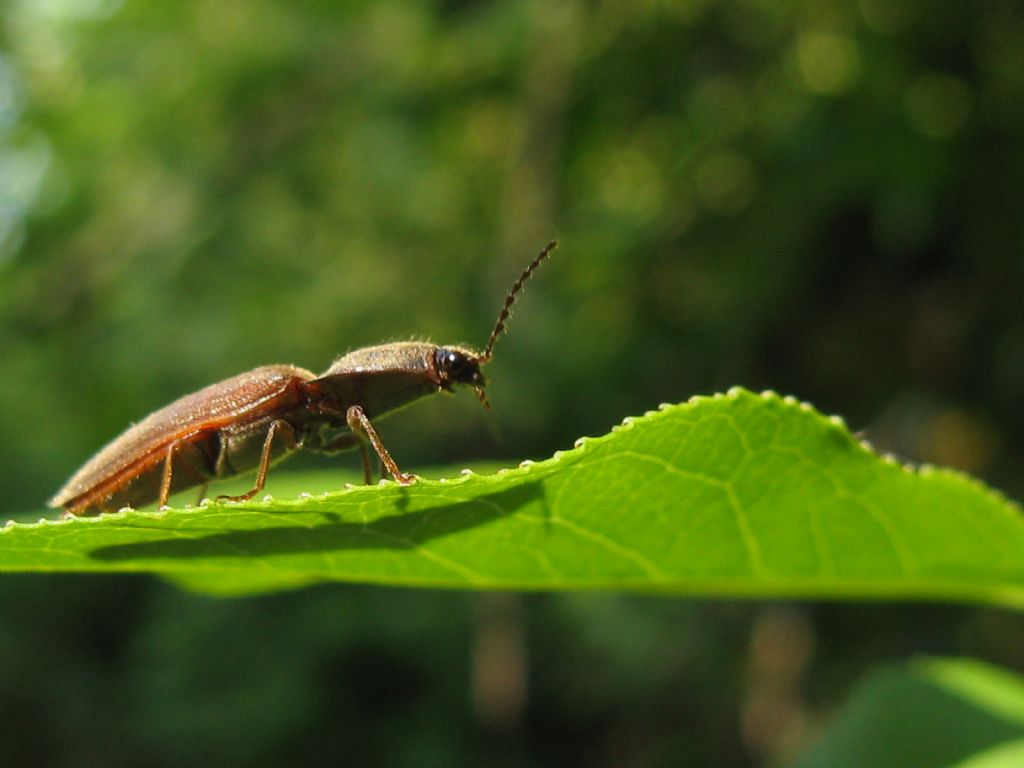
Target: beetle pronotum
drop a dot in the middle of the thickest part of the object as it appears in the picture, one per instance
(248, 421)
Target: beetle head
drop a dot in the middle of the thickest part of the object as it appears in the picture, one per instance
(461, 366)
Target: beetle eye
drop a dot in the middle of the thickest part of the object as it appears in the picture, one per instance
(456, 365)
(450, 361)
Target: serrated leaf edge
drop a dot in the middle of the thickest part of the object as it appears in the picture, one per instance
(581, 446)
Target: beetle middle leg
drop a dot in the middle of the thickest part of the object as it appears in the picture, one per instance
(364, 454)
(165, 478)
(276, 426)
(360, 425)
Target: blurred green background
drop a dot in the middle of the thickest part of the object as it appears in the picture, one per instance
(821, 198)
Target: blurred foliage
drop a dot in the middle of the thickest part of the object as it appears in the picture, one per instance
(932, 713)
(822, 198)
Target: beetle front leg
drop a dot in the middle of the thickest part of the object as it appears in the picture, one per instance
(268, 444)
(360, 425)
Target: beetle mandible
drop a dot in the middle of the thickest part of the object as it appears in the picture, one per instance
(248, 421)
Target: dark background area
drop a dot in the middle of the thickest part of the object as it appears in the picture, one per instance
(824, 199)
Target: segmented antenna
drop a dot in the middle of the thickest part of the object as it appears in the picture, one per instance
(506, 310)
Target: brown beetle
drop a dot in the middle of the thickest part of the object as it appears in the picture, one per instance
(250, 420)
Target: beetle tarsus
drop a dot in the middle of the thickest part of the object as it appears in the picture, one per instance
(241, 497)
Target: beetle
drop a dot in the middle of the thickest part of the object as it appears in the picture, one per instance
(249, 421)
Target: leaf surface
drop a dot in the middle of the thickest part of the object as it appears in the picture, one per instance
(730, 495)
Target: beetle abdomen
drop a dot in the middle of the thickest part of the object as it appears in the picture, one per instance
(139, 484)
(128, 470)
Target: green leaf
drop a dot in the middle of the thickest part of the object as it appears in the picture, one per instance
(734, 495)
(932, 713)
(1008, 755)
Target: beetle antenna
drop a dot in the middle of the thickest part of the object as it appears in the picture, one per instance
(506, 310)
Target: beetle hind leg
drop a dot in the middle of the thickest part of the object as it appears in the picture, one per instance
(167, 476)
(268, 444)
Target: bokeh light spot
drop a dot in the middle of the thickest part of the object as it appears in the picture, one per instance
(828, 63)
(631, 183)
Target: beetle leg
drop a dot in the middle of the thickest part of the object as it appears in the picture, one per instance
(360, 425)
(165, 478)
(350, 440)
(261, 473)
(202, 492)
(364, 453)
